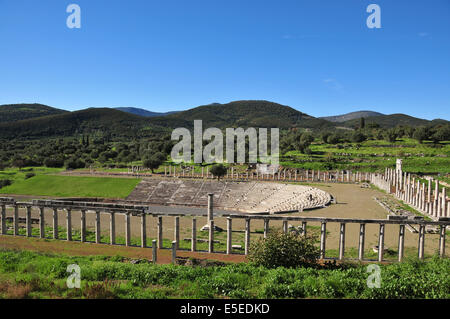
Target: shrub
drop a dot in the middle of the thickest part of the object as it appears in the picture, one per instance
(218, 170)
(29, 175)
(284, 249)
(54, 162)
(333, 139)
(358, 137)
(5, 182)
(74, 163)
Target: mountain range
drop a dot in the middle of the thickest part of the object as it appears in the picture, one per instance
(37, 120)
(142, 112)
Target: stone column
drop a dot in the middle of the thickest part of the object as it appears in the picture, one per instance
(176, 231)
(401, 242)
(247, 235)
(285, 226)
(143, 230)
(444, 201)
(323, 232)
(211, 237)
(55, 223)
(41, 222)
(160, 232)
(3, 219)
(28, 221)
(16, 220)
(436, 189)
(421, 241)
(442, 241)
(112, 228)
(362, 235)
(127, 229)
(97, 227)
(174, 252)
(154, 251)
(429, 190)
(229, 234)
(83, 226)
(342, 241)
(266, 227)
(381, 243)
(69, 224)
(303, 229)
(194, 235)
(210, 207)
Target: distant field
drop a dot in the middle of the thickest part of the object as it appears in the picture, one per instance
(72, 186)
(373, 156)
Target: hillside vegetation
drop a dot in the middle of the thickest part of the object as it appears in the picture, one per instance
(246, 114)
(17, 112)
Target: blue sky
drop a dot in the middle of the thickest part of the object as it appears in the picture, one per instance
(316, 56)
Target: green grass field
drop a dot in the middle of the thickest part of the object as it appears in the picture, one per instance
(72, 186)
(25, 274)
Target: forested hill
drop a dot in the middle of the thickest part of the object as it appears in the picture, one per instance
(26, 121)
(392, 120)
(103, 121)
(350, 116)
(142, 112)
(17, 112)
(250, 113)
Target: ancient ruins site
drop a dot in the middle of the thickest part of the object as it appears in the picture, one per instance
(249, 197)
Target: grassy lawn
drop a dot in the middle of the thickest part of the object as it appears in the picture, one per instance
(25, 274)
(72, 186)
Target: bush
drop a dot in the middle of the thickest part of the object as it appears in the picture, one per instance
(333, 139)
(5, 182)
(284, 249)
(54, 162)
(74, 163)
(218, 170)
(29, 175)
(358, 137)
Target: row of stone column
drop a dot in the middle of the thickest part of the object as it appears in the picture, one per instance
(158, 243)
(285, 175)
(419, 195)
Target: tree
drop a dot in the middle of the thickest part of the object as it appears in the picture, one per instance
(218, 171)
(441, 134)
(154, 161)
(390, 135)
(362, 123)
(358, 137)
(333, 139)
(324, 136)
(421, 134)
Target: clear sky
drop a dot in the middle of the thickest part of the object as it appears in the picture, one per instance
(316, 56)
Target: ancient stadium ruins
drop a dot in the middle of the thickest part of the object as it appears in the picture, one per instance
(248, 197)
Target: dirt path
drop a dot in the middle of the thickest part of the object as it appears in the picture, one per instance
(85, 249)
